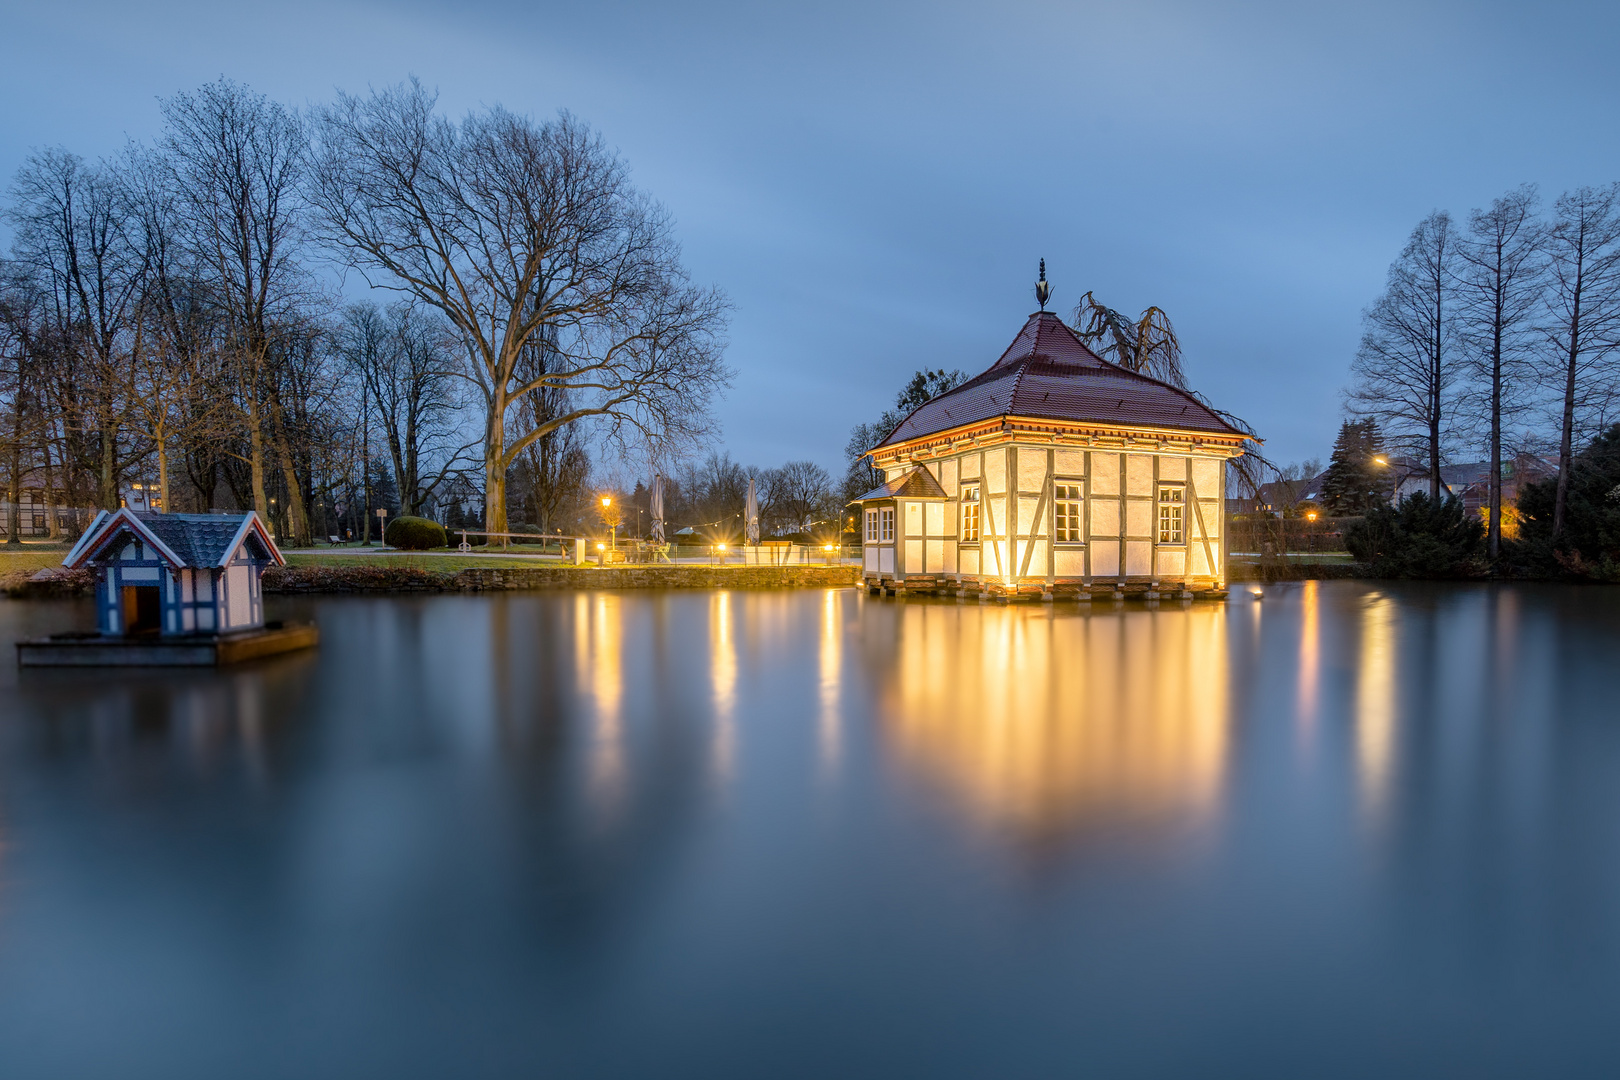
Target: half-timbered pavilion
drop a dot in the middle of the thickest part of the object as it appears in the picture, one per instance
(1054, 471)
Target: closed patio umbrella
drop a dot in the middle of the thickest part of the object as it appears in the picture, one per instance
(751, 515)
(656, 509)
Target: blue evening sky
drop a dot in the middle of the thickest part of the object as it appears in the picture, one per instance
(872, 183)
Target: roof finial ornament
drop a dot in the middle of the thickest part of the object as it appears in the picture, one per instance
(1043, 291)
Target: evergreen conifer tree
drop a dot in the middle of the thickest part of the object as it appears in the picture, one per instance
(1354, 482)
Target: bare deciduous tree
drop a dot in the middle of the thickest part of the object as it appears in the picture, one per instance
(1407, 370)
(1146, 345)
(1500, 285)
(510, 228)
(239, 161)
(405, 359)
(1583, 247)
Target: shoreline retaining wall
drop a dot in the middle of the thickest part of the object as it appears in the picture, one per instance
(345, 579)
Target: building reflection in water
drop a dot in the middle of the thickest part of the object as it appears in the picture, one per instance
(1046, 723)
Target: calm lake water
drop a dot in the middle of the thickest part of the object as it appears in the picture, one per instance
(1353, 829)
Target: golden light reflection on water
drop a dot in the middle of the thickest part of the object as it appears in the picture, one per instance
(598, 650)
(723, 750)
(1375, 701)
(1310, 658)
(829, 725)
(1043, 723)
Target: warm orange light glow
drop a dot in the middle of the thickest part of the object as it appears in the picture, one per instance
(1311, 516)
(1375, 703)
(720, 547)
(606, 501)
(1046, 726)
(826, 547)
(601, 547)
(1380, 461)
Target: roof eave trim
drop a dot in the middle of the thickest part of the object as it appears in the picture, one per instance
(128, 517)
(251, 523)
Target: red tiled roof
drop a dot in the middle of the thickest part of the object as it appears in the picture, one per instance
(1049, 374)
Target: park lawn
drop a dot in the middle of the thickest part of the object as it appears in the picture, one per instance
(29, 558)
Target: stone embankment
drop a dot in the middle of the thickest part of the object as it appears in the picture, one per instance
(1073, 591)
(362, 579)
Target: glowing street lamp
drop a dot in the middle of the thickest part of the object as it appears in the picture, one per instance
(613, 529)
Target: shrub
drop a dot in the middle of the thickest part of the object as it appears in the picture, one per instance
(1589, 546)
(525, 528)
(1420, 538)
(415, 534)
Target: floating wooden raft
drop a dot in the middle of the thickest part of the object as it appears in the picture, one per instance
(190, 650)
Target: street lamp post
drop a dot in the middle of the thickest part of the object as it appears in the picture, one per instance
(613, 529)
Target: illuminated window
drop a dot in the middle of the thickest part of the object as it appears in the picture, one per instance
(871, 526)
(1170, 503)
(1066, 511)
(970, 514)
(886, 525)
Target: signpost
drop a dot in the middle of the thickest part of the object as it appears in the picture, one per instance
(382, 533)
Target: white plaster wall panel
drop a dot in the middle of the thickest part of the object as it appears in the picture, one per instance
(1206, 477)
(1139, 474)
(1031, 469)
(236, 592)
(205, 585)
(1104, 518)
(886, 560)
(138, 573)
(949, 512)
(947, 475)
(914, 519)
(1036, 567)
(970, 466)
(934, 518)
(993, 558)
(1027, 505)
(1138, 558)
(1069, 562)
(914, 556)
(1069, 462)
(949, 563)
(1104, 474)
(969, 558)
(1200, 563)
(869, 559)
(933, 556)
(1172, 467)
(185, 586)
(1172, 563)
(188, 619)
(1212, 517)
(205, 618)
(995, 520)
(995, 470)
(1138, 518)
(1105, 560)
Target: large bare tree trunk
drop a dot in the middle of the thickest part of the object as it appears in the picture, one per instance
(495, 467)
(1566, 437)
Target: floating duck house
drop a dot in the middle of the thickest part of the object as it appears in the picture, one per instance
(1053, 472)
(173, 589)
